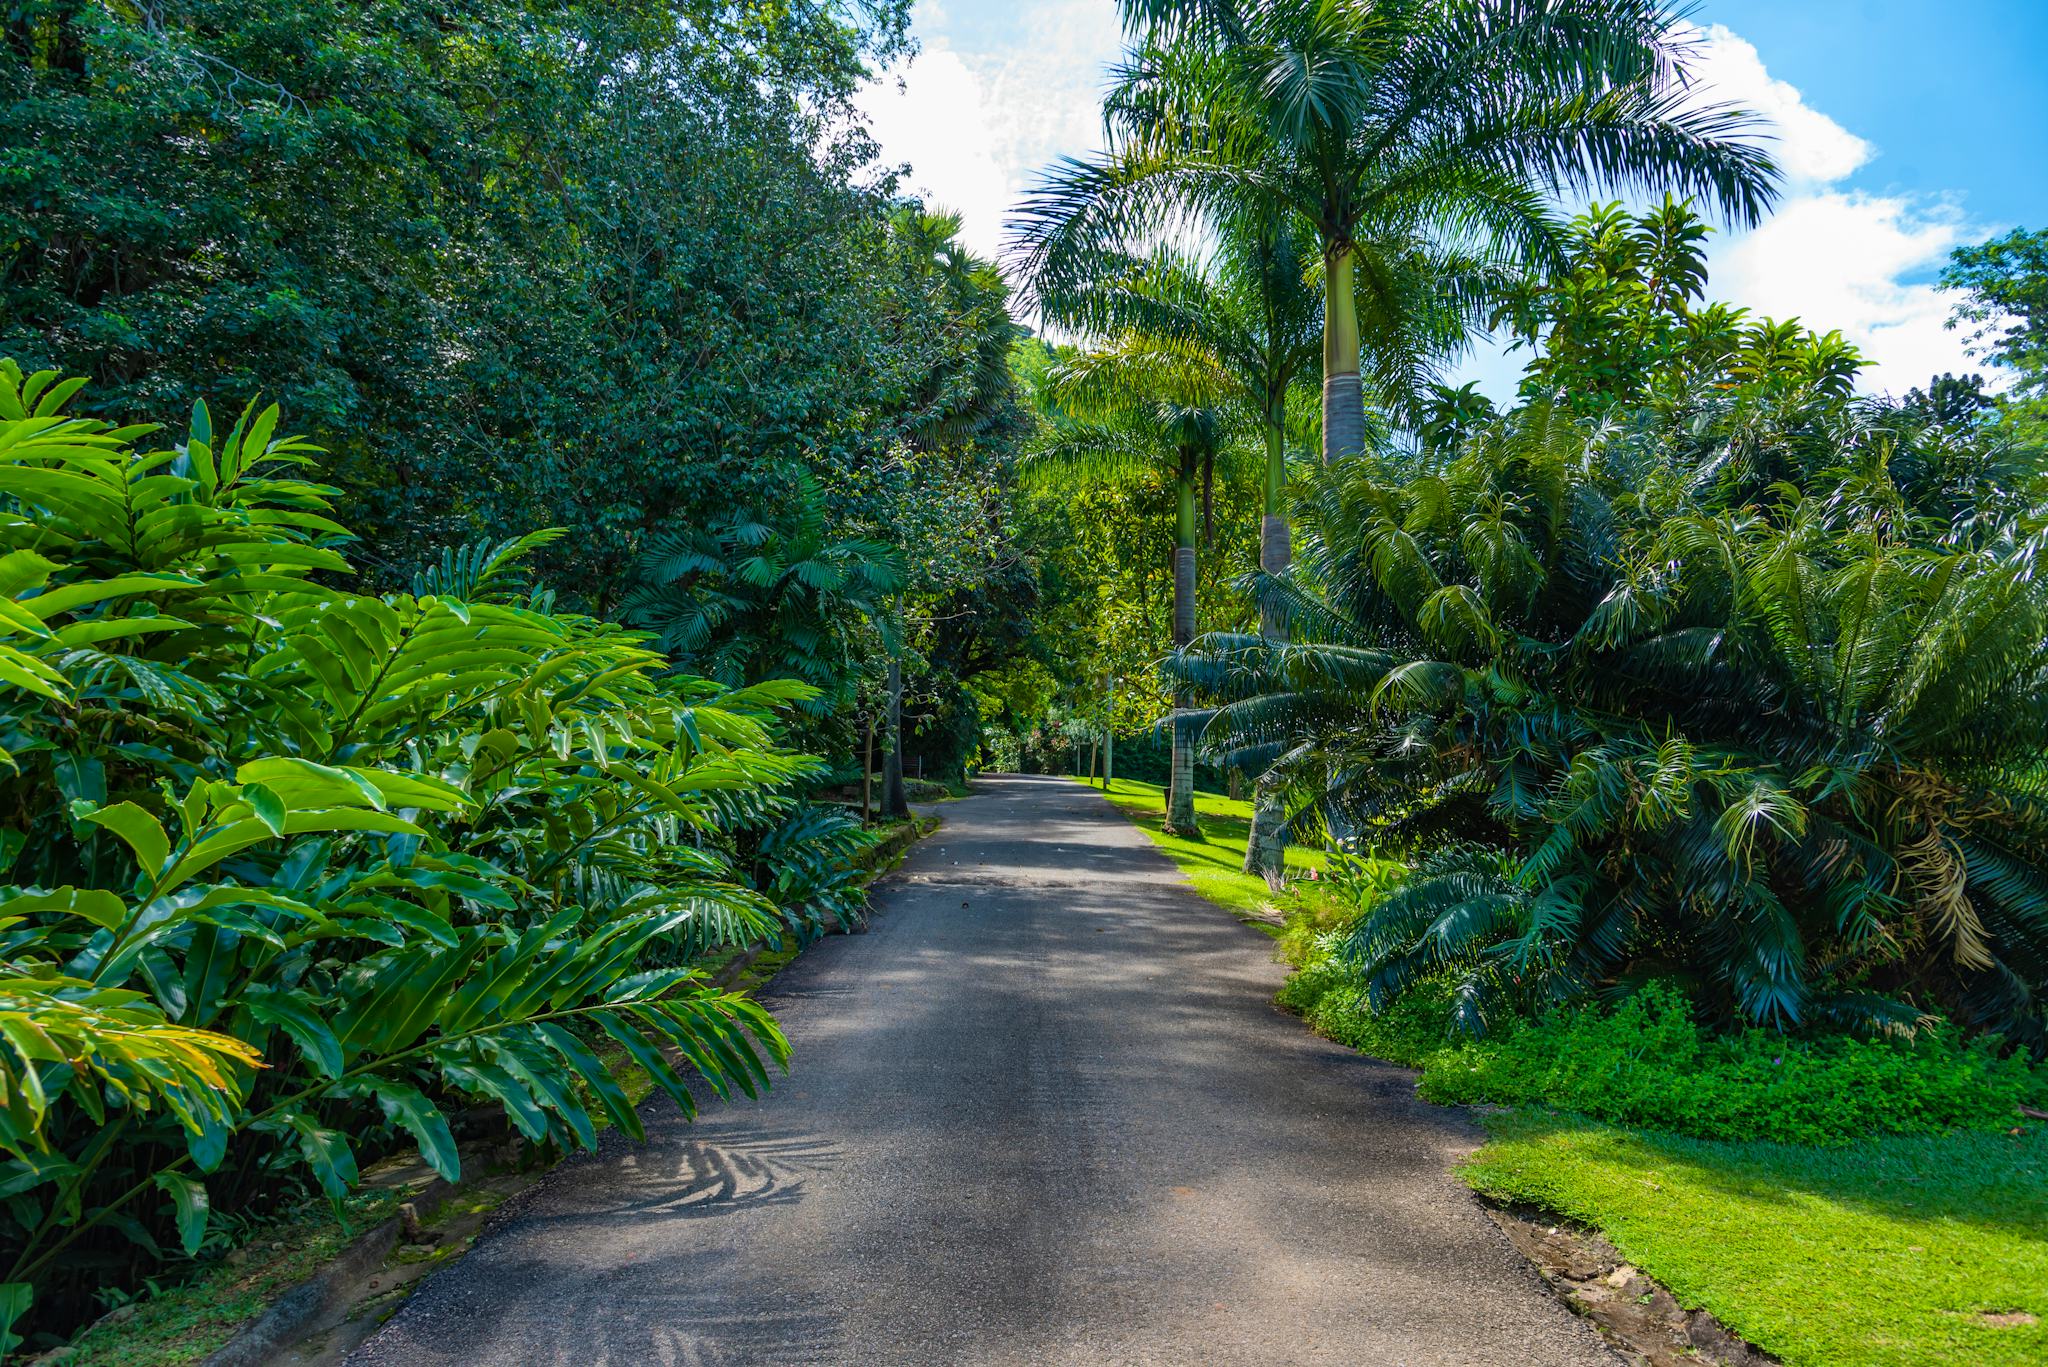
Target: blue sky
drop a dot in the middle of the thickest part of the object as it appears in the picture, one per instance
(1905, 128)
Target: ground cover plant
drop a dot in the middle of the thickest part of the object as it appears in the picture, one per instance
(295, 871)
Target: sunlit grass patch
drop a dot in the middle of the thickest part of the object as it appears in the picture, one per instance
(1893, 1253)
(1214, 864)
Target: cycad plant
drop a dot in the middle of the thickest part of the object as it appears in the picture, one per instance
(755, 595)
(1747, 702)
(1390, 129)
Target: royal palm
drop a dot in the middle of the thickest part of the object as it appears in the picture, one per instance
(1450, 125)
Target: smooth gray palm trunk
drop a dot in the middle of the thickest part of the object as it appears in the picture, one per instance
(1180, 804)
(1265, 852)
(1343, 416)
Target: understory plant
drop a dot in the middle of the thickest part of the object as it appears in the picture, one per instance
(293, 870)
(1749, 696)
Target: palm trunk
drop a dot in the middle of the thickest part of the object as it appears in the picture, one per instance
(1343, 396)
(1109, 739)
(1265, 852)
(1180, 804)
(895, 802)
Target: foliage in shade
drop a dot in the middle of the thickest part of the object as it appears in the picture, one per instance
(294, 870)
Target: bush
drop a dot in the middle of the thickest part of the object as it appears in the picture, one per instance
(1649, 1063)
(1752, 698)
(296, 870)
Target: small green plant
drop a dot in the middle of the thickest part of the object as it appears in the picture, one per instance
(1649, 1062)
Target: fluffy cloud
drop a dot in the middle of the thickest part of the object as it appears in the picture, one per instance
(991, 101)
(935, 116)
(1833, 256)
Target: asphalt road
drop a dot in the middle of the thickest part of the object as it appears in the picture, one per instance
(1043, 1112)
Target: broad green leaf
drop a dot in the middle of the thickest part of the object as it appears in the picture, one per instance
(188, 1195)
(327, 1152)
(100, 907)
(406, 1105)
(140, 831)
(288, 1011)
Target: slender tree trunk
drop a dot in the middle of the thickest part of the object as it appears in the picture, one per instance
(1265, 851)
(1180, 805)
(1343, 397)
(895, 802)
(867, 775)
(1109, 739)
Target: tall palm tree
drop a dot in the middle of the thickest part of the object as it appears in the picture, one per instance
(1127, 411)
(1442, 127)
(1245, 324)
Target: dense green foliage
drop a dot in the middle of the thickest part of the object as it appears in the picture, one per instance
(1751, 700)
(295, 868)
(2003, 286)
(1650, 1062)
(1621, 323)
(624, 269)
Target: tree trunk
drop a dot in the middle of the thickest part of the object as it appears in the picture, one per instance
(1180, 805)
(1109, 740)
(895, 802)
(1343, 397)
(867, 775)
(1265, 851)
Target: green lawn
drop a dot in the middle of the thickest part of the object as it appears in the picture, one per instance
(1892, 1252)
(1212, 864)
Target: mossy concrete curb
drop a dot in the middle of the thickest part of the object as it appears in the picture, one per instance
(325, 1298)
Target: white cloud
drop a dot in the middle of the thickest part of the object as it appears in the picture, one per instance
(977, 121)
(935, 115)
(1832, 256)
(1837, 259)
(1809, 147)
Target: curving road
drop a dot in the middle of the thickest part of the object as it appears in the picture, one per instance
(1043, 1112)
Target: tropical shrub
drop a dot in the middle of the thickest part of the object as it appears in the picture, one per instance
(1649, 1063)
(294, 869)
(1752, 698)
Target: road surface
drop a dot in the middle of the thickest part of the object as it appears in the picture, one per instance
(1042, 1112)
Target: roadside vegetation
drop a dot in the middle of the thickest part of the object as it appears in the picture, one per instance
(496, 507)
(1677, 726)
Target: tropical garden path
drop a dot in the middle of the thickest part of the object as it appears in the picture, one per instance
(1043, 1112)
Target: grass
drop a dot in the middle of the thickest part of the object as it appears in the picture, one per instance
(1213, 863)
(1889, 1254)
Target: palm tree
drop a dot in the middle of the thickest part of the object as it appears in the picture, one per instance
(1245, 325)
(1436, 128)
(1126, 411)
